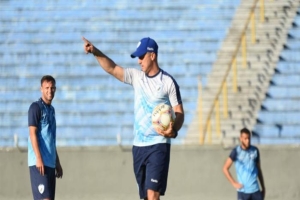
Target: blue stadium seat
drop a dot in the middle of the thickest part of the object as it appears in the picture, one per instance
(289, 68)
(266, 130)
(281, 104)
(295, 32)
(297, 20)
(284, 91)
(293, 44)
(286, 80)
(271, 117)
(291, 131)
(279, 141)
(292, 55)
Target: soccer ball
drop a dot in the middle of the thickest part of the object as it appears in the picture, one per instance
(162, 115)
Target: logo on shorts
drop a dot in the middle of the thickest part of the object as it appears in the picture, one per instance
(41, 188)
(153, 180)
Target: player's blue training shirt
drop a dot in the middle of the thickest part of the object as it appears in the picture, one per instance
(42, 116)
(246, 167)
(149, 92)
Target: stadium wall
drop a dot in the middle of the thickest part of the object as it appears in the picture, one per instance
(106, 173)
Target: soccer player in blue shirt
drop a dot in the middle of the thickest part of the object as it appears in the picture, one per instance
(43, 160)
(247, 163)
(152, 86)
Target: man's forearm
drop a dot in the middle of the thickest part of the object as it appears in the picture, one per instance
(57, 158)
(35, 145)
(229, 176)
(261, 179)
(105, 62)
(178, 121)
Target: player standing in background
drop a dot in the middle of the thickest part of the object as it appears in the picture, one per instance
(152, 85)
(43, 160)
(247, 164)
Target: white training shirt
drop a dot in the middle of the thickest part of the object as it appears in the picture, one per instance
(149, 92)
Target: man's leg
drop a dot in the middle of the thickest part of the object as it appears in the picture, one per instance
(40, 184)
(139, 155)
(243, 196)
(51, 181)
(152, 195)
(257, 196)
(157, 171)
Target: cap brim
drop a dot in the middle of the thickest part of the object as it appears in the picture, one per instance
(137, 54)
(133, 55)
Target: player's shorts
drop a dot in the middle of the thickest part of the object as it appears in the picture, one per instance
(151, 167)
(251, 196)
(42, 186)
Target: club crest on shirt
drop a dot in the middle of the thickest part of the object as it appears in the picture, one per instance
(159, 89)
(241, 157)
(41, 188)
(252, 156)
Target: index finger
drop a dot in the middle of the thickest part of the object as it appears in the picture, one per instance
(171, 124)
(85, 40)
(42, 170)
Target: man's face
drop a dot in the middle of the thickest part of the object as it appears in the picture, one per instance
(146, 62)
(245, 140)
(48, 90)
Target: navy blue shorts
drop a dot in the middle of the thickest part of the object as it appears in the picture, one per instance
(151, 167)
(252, 196)
(42, 186)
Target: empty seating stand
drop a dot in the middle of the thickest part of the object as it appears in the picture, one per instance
(38, 38)
(278, 121)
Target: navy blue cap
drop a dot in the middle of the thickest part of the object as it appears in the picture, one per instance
(144, 46)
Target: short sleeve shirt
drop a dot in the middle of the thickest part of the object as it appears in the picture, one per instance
(149, 92)
(42, 116)
(246, 167)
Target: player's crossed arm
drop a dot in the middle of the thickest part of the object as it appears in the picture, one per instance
(104, 61)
